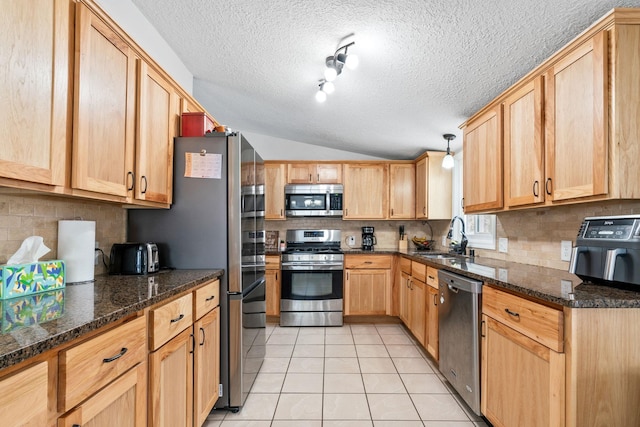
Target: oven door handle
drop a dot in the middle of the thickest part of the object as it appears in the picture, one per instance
(311, 266)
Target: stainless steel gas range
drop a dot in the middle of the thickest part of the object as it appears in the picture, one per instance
(312, 279)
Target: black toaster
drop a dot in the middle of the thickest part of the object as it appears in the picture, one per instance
(134, 258)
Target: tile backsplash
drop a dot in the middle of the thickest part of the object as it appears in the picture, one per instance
(24, 214)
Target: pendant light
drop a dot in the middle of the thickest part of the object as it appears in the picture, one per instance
(447, 161)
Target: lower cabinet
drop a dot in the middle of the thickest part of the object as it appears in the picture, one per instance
(523, 379)
(418, 309)
(367, 285)
(206, 365)
(272, 277)
(18, 410)
(432, 322)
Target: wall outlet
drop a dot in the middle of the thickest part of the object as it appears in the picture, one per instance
(503, 244)
(503, 274)
(351, 240)
(96, 258)
(565, 250)
(444, 240)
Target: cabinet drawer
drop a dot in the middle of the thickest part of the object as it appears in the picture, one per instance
(405, 265)
(206, 298)
(419, 271)
(89, 366)
(367, 261)
(432, 277)
(538, 322)
(272, 262)
(169, 320)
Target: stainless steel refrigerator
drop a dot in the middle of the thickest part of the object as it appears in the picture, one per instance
(217, 221)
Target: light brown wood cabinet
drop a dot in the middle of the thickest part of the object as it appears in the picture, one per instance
(272, 276)
(433, 187)
(432, 335)
(402, 181)
(275, 178)
(104, 108)
(482, 162)
(36, 99)
(314, 173)
(206, 365)
(366, 191)
(156, 127)
(367, 285)
(523, 364)
(19, 410)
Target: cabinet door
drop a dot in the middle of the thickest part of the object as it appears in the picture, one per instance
(206, 366)
(23, 397)
(301, 173)
(418, 310)
(577, 122)
(483, 162)
(329, 173)
(432, 338)
(155, 132)
(422, 168)
(122, 403)
(522, 380)
(275, 175)
(438, 192)
(36, 42)
(171, 383)
(366, 191)
(523, 146)
(402, 191)
(273, 292)
(104, 109)
(366, 292)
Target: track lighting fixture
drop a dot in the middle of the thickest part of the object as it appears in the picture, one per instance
(334, 66)
(447, 160)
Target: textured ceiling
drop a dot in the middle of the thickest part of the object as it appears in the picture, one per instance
(425, 66)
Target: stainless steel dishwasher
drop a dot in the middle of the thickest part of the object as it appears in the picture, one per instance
(459, 328)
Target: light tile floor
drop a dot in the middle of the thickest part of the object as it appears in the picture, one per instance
(351, 376)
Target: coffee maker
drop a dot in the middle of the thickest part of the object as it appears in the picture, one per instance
(368, 239)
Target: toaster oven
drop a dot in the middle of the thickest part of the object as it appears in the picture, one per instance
(134, 258)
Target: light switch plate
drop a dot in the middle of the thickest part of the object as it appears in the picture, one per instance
(503, 244)
(565, 250)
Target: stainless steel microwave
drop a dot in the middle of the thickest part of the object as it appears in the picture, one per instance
(313, 200)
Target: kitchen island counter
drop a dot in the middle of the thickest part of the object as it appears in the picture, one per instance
(87, 307)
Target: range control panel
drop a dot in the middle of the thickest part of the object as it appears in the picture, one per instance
(610, 228)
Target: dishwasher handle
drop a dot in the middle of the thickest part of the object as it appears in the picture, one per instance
(452, 289)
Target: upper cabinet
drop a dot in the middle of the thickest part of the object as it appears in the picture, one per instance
(275, 177)
(482, 178)
(155, 132)
(35, 111)
(402, 190)
(314, 173)
(576, 122)
(366, 191)
(571, 132)
(104, 108)
(433, 187)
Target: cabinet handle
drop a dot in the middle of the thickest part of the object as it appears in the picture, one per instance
(512, 313)
(193, 343)
(435, 300)
(318, 177)
(424, 210)
(210, 298)
(133, 180)
(309, 177)
(203, 336)
(368, 262)
(391, 211)
(281, 213)
(482, 325)
(145, 184)
(346, 212)
(431, 277)
(177, 319)
(347, 275)
(276, 276)
(536, 192)
(116, 357)
(546, 186)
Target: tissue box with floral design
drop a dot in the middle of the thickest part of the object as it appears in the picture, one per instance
(31, 309)
(23, 279)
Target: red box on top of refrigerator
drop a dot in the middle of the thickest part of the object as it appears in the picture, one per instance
(196, 124)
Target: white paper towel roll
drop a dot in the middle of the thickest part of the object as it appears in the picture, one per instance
(76, 246)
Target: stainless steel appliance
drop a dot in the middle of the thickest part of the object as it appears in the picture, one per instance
(134, 258)
(311, 284)
(459, 312)
(607, 250)
(207, 227)
(313, 200)
(368, 239)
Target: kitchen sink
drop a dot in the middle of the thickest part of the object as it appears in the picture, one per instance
(438, 256)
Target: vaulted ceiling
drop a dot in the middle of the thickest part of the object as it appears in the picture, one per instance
(425, 66)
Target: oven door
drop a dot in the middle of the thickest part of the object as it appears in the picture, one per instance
(311, 285)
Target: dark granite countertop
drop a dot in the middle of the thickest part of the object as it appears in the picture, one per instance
(87, 307)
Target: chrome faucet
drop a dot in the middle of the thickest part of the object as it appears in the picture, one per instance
(458, 248)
